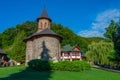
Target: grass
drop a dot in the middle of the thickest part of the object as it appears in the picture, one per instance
(22, 73)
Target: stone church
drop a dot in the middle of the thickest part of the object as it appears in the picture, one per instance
(44, 43)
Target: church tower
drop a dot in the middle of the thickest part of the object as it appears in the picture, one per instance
(44, 44)
(43, 21)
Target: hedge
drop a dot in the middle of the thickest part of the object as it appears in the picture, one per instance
(41, 65)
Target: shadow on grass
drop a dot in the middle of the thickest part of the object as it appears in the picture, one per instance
(29, 74)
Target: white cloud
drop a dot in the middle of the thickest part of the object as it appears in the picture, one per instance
(88, 33)
(101, 22)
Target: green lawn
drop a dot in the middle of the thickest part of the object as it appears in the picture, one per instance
(21, 73)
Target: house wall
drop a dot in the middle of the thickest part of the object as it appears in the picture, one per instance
(71, 56)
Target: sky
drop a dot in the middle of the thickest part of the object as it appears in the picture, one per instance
(87, 18)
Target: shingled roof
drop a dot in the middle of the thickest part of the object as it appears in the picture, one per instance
(44, 15)
(68, 47)
(2, 52)
(43, 33)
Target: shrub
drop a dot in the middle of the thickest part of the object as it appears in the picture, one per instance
(71, 66)
(41, 65)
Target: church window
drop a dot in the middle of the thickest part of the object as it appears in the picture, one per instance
(41, 25)
(45, 25)
(48, 25)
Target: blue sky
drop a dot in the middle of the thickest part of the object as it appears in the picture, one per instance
(85, 17)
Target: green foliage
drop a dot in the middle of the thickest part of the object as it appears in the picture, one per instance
(0, 41)
(71, 66)
(113, 34)
(99, 52)
(69, 37)
(12, 40)
(28, 27)
(18, 50)
(111, 31)
(96, 39)
(41, 65)
(8, 37)
(67, 34)
(117, 42)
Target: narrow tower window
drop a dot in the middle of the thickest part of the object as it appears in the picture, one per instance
(41, 26)
(45, 25)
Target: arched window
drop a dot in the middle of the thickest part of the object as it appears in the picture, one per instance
(41, 25)
(48, 25)
(45, 25)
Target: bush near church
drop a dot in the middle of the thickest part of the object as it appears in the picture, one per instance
(41, 65)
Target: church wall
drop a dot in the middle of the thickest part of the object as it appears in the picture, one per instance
(52, 45)
(29, 51)
(34, 48)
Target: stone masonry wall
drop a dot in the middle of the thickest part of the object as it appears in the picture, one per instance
(29, 51)
(36, 47)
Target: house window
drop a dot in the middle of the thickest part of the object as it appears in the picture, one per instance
(73, 54)
(77, 54)
(66, 54)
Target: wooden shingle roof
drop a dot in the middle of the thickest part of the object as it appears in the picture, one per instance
(44, 15)
(43, 33)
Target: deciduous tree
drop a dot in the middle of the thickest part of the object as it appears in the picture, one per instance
(18, 50)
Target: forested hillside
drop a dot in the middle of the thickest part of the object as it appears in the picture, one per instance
(11, 40)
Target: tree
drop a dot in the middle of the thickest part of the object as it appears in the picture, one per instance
(28, 27)
(69, 37)
(18, 50)
(99, 52)
(113, 34)
(8, 37)
(0, 40)
(117, 43)
(111, 31)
